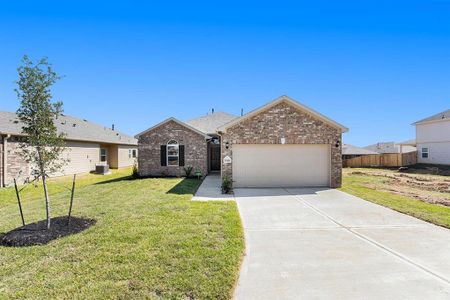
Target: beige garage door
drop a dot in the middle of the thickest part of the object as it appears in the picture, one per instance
(281, 165)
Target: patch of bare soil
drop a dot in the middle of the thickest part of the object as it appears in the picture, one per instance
(38, 234)
(429, 188)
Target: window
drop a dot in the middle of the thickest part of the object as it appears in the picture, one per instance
(132, 153)
(424, 152)
(103, 153)
(172, 153)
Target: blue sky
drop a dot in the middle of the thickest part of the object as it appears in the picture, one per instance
(374, 66)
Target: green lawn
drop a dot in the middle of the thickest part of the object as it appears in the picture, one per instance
(150, 241)
(364, 186)
(58, 184)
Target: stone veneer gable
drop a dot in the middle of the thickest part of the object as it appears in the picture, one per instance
(149, 147)
(296, 126)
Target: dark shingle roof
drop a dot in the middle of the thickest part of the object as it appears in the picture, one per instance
(440, 116)
(209, 123)
(75, 129)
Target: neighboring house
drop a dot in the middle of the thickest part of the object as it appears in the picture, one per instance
(390, 147)
(281, 144)
(433, 139)
(87, 144)
(350, 151)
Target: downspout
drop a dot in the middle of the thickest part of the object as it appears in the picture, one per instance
(5, 159)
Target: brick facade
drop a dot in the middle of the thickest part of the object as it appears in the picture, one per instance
(16, 166)
(296, 126)
(149, 147)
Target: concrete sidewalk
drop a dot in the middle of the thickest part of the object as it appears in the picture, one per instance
(210, 190)
(326, 244)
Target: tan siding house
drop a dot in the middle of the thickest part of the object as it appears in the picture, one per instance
(88, 144)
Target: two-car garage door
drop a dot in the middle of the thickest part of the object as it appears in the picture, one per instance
(266, 165)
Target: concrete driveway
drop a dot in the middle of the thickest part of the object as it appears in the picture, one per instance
(326, 244)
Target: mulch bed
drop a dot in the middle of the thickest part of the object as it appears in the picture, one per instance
(37, 233)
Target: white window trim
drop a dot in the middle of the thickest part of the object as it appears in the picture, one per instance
(427, 152)
(171, 155)
(106, 155)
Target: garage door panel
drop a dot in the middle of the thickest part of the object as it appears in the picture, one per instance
(281, 165)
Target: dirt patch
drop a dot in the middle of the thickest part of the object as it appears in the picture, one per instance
(424, 187)
(37, 233)
(428, 169)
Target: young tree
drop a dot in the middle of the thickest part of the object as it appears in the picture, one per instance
(42, 146)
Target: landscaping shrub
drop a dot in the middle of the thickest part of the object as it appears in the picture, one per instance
(135, 173)
(188, 171)
(227, 185)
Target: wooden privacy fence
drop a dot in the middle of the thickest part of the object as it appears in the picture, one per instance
(382, 160)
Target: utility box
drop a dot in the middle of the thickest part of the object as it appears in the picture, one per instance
(102, 169)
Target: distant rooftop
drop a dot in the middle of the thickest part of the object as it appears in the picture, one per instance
(390, 147)
(353, 150)
(440, 116)
(208, 124)
(408, 142)
(75, 129)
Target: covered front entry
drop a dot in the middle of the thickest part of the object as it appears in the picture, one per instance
(276, 165)
(214, 154)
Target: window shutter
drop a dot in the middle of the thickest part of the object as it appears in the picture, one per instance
(163, 155)
(181, 155)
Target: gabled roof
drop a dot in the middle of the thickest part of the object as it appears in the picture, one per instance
(445, 115)
(353, 150)
(209, 123)
(75, 129)
(289, 100)
(176, 121)
(390, 147)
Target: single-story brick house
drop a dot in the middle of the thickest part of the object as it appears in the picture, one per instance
(281, 144)
(88, 144)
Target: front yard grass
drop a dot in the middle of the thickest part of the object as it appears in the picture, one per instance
(150, 241)
(369, 187)
(57, 185)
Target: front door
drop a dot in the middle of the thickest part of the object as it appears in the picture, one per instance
(214, 154)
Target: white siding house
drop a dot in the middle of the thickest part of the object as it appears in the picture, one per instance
(433, 139)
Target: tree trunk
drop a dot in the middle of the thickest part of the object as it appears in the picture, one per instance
(44, 183)
(47, 200)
